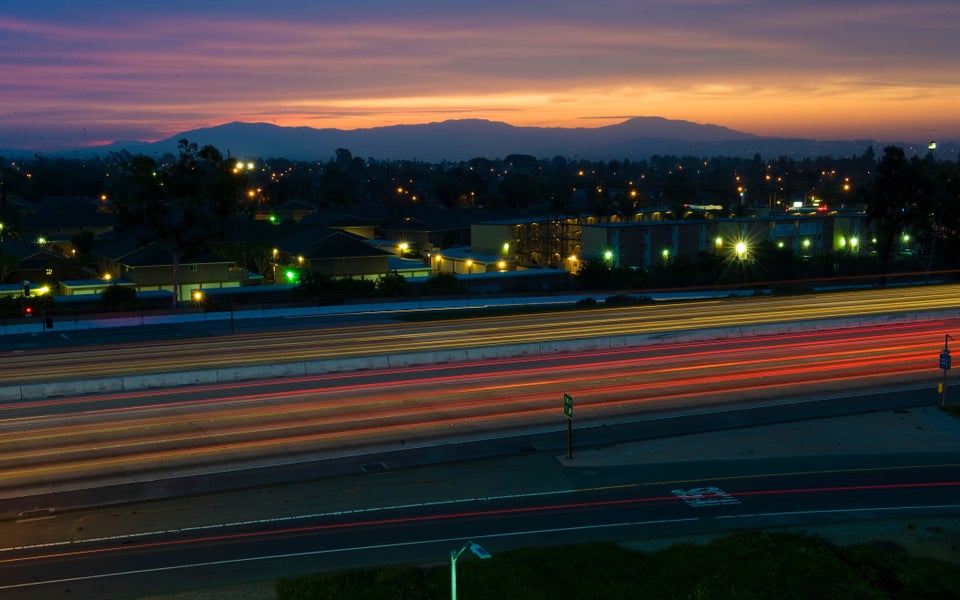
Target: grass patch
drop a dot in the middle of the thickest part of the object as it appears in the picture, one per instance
(749, 565)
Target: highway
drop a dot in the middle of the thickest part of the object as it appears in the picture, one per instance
(58, 357)
(174, 442)
(111, 439)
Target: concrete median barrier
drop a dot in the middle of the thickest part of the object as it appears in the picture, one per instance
(168, 380)
(39, 391)
(361, 363)
(260, 372)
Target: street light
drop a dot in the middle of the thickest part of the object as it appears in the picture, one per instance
(454, 555)
(741, 249)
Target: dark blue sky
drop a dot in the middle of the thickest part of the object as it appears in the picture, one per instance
(82, 73)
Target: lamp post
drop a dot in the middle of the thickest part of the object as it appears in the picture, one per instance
(454, 555)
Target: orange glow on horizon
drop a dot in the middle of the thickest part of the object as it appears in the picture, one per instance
(825, 72)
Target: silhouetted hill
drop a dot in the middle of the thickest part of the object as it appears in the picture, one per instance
(458, 140)
(452, 140)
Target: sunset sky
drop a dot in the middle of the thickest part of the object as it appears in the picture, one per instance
(85, 73)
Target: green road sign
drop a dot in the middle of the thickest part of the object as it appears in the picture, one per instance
(568, 405)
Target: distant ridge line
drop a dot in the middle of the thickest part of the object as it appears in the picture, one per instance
(459, 140)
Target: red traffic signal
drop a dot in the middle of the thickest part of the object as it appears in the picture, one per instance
(28, 311)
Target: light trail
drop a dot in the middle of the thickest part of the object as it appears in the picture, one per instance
(390, 338)
(215, 427)
(552, 508)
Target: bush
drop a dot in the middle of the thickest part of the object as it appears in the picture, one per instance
(443, 284)
(393, 285)
(745, 565)
(627, 300)
(117, 297)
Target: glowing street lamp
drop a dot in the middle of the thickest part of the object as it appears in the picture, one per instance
(741, 249)
(477, 549)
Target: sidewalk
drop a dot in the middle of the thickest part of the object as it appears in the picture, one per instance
(926, 429)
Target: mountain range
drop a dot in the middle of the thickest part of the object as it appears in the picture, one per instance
(464, 139)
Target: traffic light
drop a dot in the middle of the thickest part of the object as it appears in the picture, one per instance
(28, 311)
(26, 288)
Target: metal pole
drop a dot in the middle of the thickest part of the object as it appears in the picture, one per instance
(453, 573)
(569, 439)
(943, 389)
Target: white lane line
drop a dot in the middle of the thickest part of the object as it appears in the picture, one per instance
(275, 520)
(835, 511)
(335, 551)
(451, 540)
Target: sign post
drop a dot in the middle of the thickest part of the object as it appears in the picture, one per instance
(945, 365)
(568, 411)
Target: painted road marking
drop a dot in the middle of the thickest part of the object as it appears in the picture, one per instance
(705, 496)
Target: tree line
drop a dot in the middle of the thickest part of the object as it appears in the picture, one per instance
(182, 200)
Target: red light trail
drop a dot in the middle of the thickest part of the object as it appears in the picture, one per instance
(226, 426)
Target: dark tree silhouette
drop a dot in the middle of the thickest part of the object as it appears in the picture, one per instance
(889, 203)
(180, 205)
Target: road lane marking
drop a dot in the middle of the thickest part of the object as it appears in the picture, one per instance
(337, 551)
(34, 584)
(370, 510)
(705, 496)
